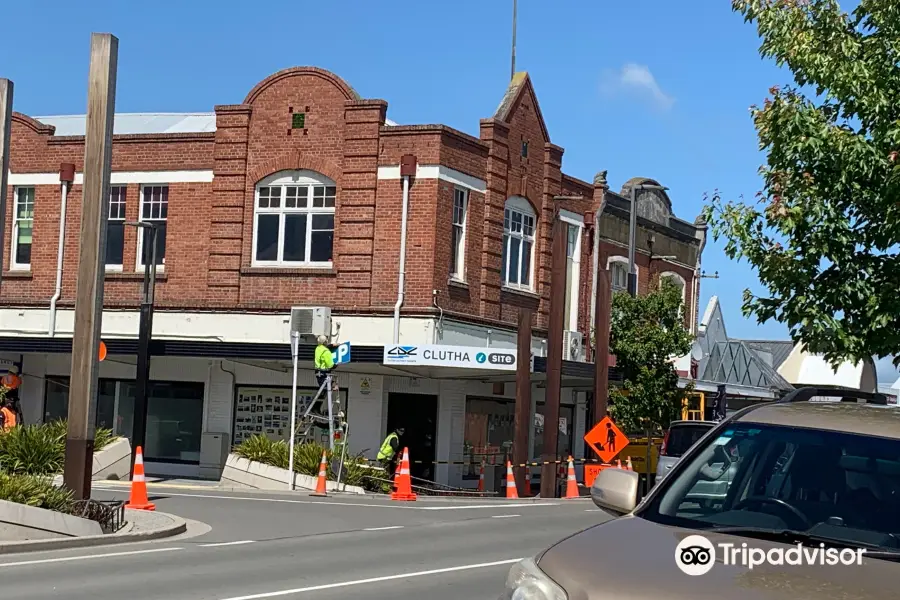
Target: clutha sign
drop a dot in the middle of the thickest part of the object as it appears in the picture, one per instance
(463, 357)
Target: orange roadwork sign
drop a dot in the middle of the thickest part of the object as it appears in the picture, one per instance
(606, 439)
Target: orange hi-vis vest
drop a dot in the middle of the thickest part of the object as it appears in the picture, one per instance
(9, 418)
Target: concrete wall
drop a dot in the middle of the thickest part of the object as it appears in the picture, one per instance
(20, 522)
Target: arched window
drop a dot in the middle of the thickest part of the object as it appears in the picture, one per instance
(293, 221)
(618, 273)
(518, 244)
(675, 279)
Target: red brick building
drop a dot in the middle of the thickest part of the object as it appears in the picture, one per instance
(294, 198)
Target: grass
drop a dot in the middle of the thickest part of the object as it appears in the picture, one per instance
(307, 457)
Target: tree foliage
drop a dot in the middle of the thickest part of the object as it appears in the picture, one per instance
(824, 233)
(646, 332)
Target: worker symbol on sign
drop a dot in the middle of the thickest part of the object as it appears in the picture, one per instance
(606, 439)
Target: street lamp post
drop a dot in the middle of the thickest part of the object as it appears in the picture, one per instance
(632, 233)
(145, 333)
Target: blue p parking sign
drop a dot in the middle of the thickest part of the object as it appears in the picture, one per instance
(341, 354)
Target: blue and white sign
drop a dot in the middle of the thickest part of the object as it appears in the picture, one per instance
(461, 357)
(341, 354)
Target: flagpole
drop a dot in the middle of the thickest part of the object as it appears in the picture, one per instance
(512, 73)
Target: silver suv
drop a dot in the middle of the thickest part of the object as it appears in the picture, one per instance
(817, 482)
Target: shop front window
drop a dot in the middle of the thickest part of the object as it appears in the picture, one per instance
(490, 427)
(564, 435)
(266, 411)
(174, 414)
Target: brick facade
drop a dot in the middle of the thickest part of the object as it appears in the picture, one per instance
(210, 245)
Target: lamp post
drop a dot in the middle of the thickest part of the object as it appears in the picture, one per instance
(145, 332)
(632, 232)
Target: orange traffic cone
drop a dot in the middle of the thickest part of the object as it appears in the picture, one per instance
(628, 464)
(139, 499)
(321, 485)
(511, 492)
(481, 477)
(571, 483)
(618, 463)
(403, 481)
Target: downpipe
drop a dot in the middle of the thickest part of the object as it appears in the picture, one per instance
(66, 177)
(407, 170)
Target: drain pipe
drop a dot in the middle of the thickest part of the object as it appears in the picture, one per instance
(66, 178)
(407, 171)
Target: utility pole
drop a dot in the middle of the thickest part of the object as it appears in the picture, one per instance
(554, 357)
(6, 103)
(512, 72)
(91, 263)
(601, 346)
(522, 417)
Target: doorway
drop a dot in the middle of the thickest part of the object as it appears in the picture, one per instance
(417, 414)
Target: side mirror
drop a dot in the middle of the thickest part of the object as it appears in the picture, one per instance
(616, 490)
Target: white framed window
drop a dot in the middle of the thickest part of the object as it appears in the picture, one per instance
(293, 222)
(154, 209)
(618, 273)
(573, 274)
(23, 221)
(518, 244)
(115, 228)
(458, 234)
(676, 280)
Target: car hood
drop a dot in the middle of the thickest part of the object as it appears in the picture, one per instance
(634, 558)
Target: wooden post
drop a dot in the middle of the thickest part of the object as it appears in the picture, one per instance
(523, 399)
(601, 345)
(554, 357)
(6, 103)
(91, 263)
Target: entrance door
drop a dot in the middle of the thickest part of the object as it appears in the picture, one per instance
(417, 414)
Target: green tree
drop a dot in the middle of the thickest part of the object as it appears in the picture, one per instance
(824, 234)
(646, 332)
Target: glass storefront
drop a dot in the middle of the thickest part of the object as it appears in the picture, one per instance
(174, 414)
(263, 410)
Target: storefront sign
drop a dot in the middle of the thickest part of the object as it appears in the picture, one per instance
(461, 357)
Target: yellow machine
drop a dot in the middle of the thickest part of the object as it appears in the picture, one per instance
(693, 407)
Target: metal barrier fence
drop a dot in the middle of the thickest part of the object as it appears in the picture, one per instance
(110, 514)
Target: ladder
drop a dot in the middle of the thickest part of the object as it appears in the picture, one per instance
(309, 419)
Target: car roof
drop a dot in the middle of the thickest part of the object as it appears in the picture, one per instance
(850, 417)
(701, 423)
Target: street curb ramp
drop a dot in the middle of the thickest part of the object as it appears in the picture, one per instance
(177, 527)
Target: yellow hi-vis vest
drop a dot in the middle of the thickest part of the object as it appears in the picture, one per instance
(386, 451)
(323, 359)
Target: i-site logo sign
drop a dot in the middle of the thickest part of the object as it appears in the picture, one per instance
(696, 555)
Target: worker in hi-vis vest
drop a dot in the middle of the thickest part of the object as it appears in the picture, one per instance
(324, 361)
(8, 417)
(390, 449)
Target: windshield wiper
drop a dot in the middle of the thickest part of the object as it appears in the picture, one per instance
(801, 537)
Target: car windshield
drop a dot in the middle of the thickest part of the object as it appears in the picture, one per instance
(830, 484)
(683, 436)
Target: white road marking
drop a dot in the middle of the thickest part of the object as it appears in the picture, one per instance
(238, 543)
(505, 516)
(383, 528)
(331, 586)
(593, 510)
(86, 557)
(498, 505)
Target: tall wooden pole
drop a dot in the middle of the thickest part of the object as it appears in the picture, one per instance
(6, 103)
(554, 357)
(91, 263)
(601, 345)
(523, 399)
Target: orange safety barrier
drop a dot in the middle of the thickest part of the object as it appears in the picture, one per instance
(321, 483)
(138, 499)
(403, 481)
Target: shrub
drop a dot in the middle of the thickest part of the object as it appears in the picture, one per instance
(35, 491)
(40, 449)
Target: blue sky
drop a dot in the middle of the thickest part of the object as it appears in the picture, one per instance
(653, 89)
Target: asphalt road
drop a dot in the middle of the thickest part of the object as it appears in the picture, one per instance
(292, 546)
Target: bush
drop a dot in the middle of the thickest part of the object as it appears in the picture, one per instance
(35, 491)
(40, 449)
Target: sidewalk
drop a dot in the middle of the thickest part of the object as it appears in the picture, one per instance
(141, 526)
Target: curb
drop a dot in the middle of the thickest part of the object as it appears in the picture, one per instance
(177, 527)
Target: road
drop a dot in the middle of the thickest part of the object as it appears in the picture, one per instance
(260, 546)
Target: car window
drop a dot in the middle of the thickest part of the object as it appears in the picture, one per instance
(682, 437)
(787, 478)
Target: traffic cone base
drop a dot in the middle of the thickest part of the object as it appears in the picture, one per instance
(511, 492)
(321, 482)
(138, 499)
(403, 481)
(571, 483)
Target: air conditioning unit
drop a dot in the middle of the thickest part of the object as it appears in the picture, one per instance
(311, 321)
(573, 346)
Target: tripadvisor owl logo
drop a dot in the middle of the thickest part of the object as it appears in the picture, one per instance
(696, 555)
